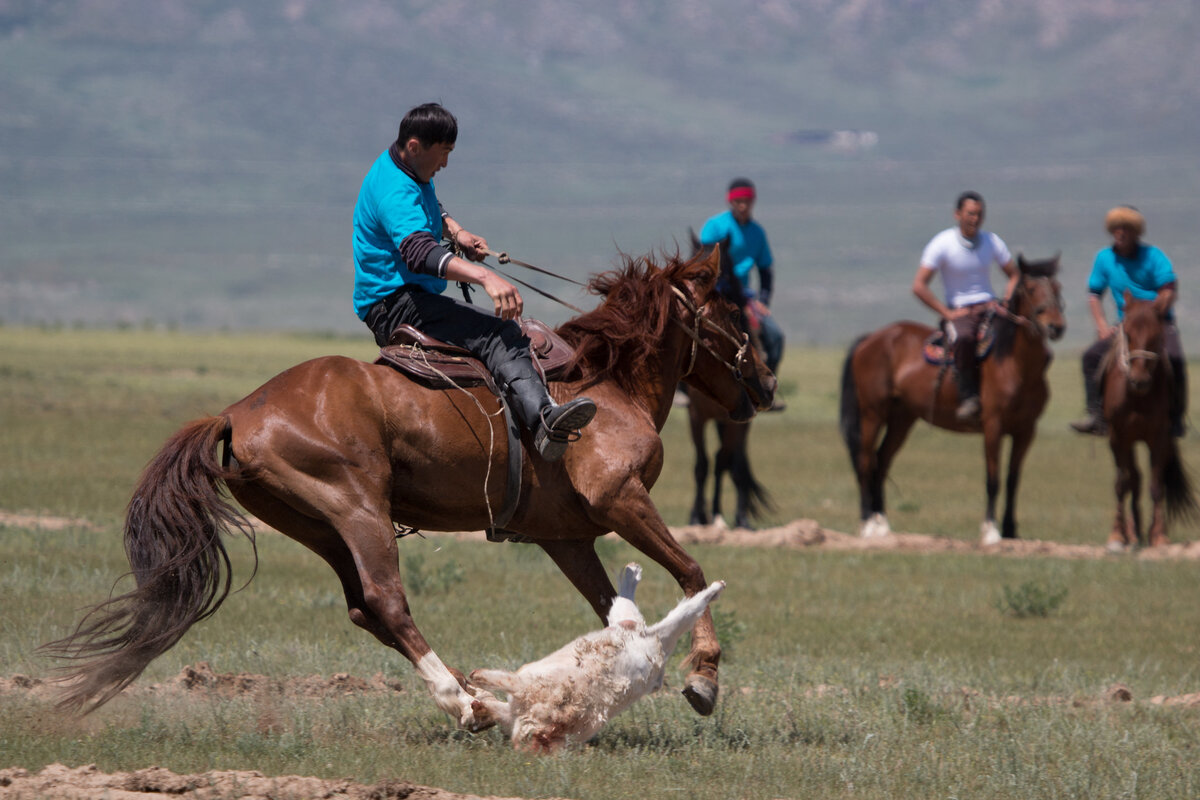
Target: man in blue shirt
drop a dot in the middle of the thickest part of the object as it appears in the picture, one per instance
(1146, 272)
(401, 269)
(748, 250)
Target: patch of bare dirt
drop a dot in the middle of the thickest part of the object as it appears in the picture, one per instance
(40, 522)
(200, 680)
(87, 782)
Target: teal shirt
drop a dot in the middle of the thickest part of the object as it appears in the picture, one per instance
(748, 246)
(391, 206)
(1143, 274)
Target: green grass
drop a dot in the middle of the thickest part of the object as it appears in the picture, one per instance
(874, 675)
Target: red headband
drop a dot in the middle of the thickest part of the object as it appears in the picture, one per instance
(741, 193)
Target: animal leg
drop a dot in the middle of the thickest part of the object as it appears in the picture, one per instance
(634, 517)
(1135, 536)
(992, 440)
(1021, 441)
(360, 546)
(624, 608)
(1162, 453)
(899, 425)
(1119, 539)
(699, 515)
(866, 468)
(683, 617)
(577, 560)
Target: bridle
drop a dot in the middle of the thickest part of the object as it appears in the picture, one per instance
(1125, 356)
(700, 321)
(1030, 322)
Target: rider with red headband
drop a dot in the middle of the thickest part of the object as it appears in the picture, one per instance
(746, 244)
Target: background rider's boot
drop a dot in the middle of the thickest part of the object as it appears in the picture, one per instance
(1093, 421)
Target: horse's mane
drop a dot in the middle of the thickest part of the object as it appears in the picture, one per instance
(1006, 329)
(620, 338)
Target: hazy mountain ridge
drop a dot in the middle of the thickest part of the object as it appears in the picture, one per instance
(196, 163)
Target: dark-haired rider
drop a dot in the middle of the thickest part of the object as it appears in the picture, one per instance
(964, 255)
(401, 269)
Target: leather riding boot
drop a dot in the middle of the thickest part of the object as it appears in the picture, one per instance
(553, 426)
(968, 383)
(1093, 421)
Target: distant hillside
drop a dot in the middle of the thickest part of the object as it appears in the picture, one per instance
(195, 163)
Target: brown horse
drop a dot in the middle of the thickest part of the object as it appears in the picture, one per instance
(732, 455)
(887, 385)
(1137, 400)
(332, 451)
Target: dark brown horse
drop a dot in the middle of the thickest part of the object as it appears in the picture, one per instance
(1137, 403)
(887, 385)
(332, 451)
(732, 455)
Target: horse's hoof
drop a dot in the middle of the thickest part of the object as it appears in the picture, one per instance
(1115, 547)
(989, 534)
(701, 692)
(875, 527)
(479, 719)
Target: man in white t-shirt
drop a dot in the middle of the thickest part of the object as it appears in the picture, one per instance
(964, 256)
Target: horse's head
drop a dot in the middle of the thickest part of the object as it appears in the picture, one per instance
(722, 363)
(1140, 343)
(1038, 296)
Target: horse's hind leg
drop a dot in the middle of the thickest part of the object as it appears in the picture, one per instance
(361, 549)
(699, 515)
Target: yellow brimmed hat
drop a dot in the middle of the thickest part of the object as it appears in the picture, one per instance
(1125, 217)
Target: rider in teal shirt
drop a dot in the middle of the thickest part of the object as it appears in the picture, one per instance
(748, 250)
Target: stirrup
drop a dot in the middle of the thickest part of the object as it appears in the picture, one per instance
(560, 426)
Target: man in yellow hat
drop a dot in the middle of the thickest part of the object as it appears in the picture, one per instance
(1146, 272)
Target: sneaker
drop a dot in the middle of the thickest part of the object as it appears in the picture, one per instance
(560, 426)
(968, 410)
(1092, 424)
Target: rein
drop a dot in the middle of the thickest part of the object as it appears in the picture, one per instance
(742, 345)
(1125, 356)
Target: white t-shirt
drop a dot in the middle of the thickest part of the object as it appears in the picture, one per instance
(965, 265)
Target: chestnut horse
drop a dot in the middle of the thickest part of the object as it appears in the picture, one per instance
(333, 451)
(732, 455)
(887, 385)
(1137, 399)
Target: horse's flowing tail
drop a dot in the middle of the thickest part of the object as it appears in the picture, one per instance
(849, 415)
(1181, 496)
(173, 541)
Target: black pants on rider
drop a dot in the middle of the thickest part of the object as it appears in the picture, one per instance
(502, 348)
(962, 334)
(1093, 358)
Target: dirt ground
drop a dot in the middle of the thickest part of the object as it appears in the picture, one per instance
(78, 783)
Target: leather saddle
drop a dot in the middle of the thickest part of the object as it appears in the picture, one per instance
(939, 355)
(440, 365)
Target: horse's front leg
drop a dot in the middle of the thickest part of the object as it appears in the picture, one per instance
(1021, 441)
(635, 519)
(993, 437)
(1121, 537)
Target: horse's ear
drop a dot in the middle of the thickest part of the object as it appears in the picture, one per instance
(695, 240)
(706, 277)
(1021, 263)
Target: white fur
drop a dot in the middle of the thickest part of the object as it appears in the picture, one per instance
(989, 534)
(875, 527)
(568, 696)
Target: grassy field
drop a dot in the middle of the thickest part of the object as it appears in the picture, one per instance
(875, 675)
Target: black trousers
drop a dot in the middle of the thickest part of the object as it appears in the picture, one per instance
(492, 340)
